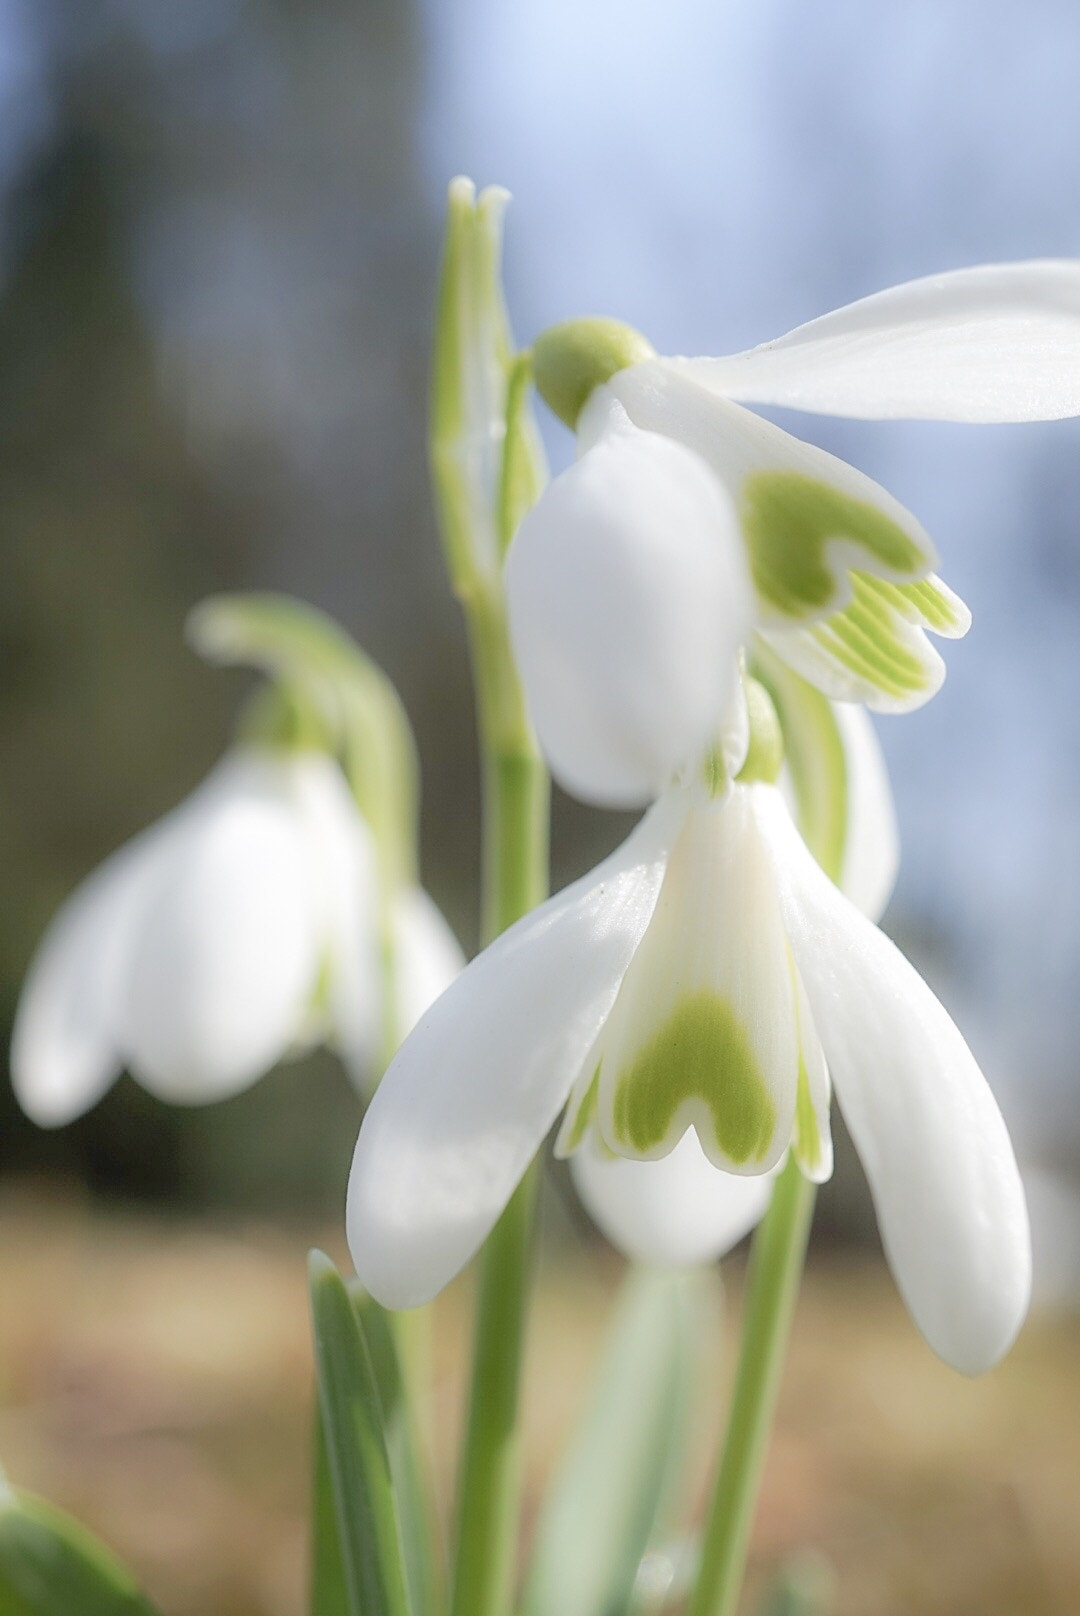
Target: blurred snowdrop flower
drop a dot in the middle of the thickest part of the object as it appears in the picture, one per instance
(685, 1006)
(252, 921)
(688, 521)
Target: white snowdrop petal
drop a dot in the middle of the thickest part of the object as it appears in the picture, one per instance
(628, 600)
(428, 956)
(999, 342)
(227, 960)
(936, 1152)
(703, 1032)
(344, 877)
(471, 1093)
(807, 519)
(872, 843)
(676, 1212)
(64, 1050)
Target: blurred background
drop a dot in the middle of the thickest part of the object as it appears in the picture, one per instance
(219, 224)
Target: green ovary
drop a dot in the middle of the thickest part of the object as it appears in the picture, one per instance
(701, 1052)
(789, 519)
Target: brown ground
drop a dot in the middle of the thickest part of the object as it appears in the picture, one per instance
(154, 1379)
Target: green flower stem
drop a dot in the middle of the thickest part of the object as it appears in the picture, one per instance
(490, 1490)
(775, 1270)
(515, 879)
(488, 467)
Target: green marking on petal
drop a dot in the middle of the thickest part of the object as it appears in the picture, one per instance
(877, 638)
(929, 603)
(576, 1124)
(806, 1141)
(702, 1052)
(790, 519)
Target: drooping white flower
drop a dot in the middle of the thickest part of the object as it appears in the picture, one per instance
(617, 607)
(243, 925)
(685, 1005)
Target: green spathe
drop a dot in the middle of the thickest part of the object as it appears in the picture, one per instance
(703, 1053)
(790, 519)
(571, 360)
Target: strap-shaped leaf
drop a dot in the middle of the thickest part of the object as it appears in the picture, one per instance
(52, 1566)
(408, 1466)
(329, 1589)
(356, 1451)
(617, 1480)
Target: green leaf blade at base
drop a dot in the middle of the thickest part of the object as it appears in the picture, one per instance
(618, 1479)
(358, 1462)
(52, 1566)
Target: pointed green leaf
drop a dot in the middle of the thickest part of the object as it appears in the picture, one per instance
(412, 1481)
(617, 1480)
(357, 1457)
(329, 1589)
(52, 1566)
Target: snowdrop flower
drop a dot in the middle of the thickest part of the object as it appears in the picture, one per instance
(240, 928)
(689, 524)
(687, 1007)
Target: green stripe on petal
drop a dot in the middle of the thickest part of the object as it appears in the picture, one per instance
(876, 649)
(928, 602)
(792, 521)
(701, 1053)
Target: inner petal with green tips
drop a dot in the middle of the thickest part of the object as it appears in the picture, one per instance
(704, 1030)
(700, 1058)
(875, 649)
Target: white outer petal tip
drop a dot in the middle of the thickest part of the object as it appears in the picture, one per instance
(628, 596)
(936, 1151)
(675, 1212)
(471, 1093)
(999, 342)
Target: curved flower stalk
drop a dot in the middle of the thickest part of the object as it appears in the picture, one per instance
(687, 1007)
(692, 516)
(254, 920)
